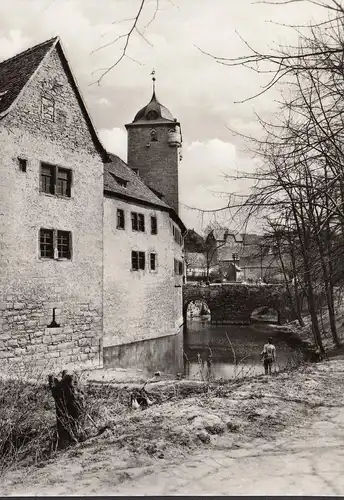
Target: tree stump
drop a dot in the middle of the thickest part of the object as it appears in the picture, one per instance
(70, 409)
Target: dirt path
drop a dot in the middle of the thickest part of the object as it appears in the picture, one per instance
(310, 462)
(305, 458)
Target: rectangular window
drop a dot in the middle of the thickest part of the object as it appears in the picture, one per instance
(137, 260)
(178, 267)
(55, 180)
(142, 260)
(63, 244)
(63, 182)
(46, 241)
(48, 108)
(120, 219)
(55, 244)
(177, 236)
(141, 222)
(153, 261)
(22, 164)
(47, 178)
(134, 223)
(137, 222)
(154, 225)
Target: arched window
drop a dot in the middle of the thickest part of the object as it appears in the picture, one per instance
(153, 135)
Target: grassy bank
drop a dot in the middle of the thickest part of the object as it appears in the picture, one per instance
(184, 416)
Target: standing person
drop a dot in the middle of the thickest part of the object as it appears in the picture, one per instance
(269, 356)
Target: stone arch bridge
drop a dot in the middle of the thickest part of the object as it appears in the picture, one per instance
(235, 302)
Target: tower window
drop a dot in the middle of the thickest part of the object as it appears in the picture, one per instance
(153, 135)
(137, 260)
(22, 164)
(153, 261)
(152, 115)
(137, 222)
(154, 225)
(55, 244)
(120, 219)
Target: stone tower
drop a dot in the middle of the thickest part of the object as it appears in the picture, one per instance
(154, 142)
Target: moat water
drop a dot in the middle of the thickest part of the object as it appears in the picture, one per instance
(234, 349)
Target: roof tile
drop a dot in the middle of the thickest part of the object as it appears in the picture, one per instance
(135, 188)
(16, 71)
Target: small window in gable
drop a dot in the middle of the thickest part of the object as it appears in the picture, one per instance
(22, 164)
(48, 108)
(119, 180)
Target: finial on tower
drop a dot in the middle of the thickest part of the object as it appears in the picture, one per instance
(153, 79)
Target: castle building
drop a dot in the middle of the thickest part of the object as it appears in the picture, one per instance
(90, 247)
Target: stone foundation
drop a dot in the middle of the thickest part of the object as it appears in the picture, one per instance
(160, 354)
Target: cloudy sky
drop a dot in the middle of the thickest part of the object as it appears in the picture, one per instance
(200, 93)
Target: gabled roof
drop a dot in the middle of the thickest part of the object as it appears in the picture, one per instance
(16, 72)
(135, 189)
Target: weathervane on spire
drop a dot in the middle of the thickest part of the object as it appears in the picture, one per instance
(153, 78)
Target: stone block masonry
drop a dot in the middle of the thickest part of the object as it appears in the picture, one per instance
(25, 337)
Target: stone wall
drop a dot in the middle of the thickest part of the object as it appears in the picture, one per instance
(144, 304)
(234, 303)
(30, 287)
(159, 354)
(158, 162)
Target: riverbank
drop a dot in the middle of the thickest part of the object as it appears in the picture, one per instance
(305, 333)
(187, 424)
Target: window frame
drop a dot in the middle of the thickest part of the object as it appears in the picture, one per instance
(22, 162)
(120, 217)
(138, 222)
(155, 269)
(55, 170)
(56, 234)
(154, 226)
(140, 260)
(178, 267)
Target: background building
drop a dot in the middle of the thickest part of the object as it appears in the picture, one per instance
(224, 254)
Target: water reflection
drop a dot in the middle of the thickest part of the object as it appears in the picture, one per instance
(233, 350)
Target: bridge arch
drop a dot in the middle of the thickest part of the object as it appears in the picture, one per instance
(266, 314)
(233, 303)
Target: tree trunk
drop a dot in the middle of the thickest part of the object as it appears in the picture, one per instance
(70, 410)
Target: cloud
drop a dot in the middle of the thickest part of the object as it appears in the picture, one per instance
(205, 185)
(115, 141)
(12, 43)
(103, 101)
